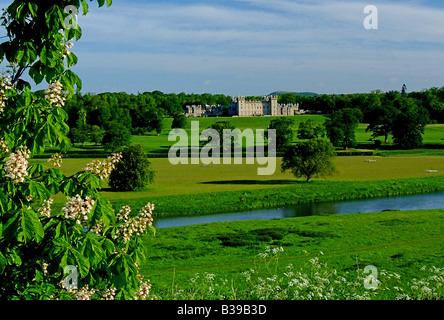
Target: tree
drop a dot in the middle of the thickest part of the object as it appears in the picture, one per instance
(81, 135)
(310, 130)
(342, 125)
(381, 116)
(97, 134)
(117, 136)
(284, 132)
(179, 121)
(40, 245)
(409, 124)
(310, 158)
(133, 171)
(219, 127)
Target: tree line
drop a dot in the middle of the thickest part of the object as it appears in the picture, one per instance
(111, 118)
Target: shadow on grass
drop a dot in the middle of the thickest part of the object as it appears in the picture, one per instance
(254, 182)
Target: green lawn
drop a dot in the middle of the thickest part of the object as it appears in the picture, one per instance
(400, 242)
(191, 179)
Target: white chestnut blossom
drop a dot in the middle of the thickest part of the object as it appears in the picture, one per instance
(109, 294)
(104, 168)
(67, 46)
(83, 294)
(56, 160)
(16, 166)
(144, 290)
(45, 209)
(55, 94)
(78, 209)
(5, 84)
(3, 146)
(135, 225)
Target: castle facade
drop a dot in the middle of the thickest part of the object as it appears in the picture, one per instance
(241, 107)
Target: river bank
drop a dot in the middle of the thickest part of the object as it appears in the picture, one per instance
(293, 194)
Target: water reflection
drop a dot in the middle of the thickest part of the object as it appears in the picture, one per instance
(411, 202)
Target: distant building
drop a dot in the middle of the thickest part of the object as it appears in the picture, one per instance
(241, 107)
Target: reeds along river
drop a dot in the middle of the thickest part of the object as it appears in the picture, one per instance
(409, 202)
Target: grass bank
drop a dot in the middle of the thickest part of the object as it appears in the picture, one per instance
(293, 193)
(231, 260)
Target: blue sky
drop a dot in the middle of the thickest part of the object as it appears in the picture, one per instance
(255, 47)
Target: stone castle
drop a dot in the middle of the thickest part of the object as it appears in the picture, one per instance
(241, 107)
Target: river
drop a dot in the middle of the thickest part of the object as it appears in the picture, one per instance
(408, 202)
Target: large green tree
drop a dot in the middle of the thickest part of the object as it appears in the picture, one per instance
(310, 130)
(409, 124)
(284, 132)
(310, 158)
(342, 125)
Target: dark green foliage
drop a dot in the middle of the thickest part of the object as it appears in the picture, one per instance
(133, 171)
(219, 127)
(284, 132)
(409, 124)
(117, 136)
(179, 121)
(342, 125)
(310, 130)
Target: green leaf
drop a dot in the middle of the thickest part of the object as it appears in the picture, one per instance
(33, 9)
(31, 226)
(108, 245)
(104, 211)
(10, 229)
(2, 262)
(92, 249)
(84, 7)
(3, 203)
(38, 190)
(35, 73)
(82, 262)
(36, 170)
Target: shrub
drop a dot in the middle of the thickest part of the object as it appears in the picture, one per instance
(133, 171)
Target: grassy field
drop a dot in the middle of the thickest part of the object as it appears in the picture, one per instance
(394, 242)
(398, 243)
(186, 179)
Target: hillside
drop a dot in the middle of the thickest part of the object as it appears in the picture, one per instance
(301, 94)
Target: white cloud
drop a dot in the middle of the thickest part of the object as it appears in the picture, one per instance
(279, 43)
